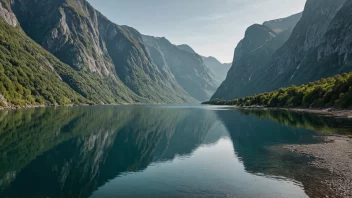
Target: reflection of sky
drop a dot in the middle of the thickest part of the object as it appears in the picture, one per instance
(211, 27)
(210, 171)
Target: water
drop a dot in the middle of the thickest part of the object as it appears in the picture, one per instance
(157, 151)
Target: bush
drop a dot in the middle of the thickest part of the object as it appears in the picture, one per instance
(329, 92)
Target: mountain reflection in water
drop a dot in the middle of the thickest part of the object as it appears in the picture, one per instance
(159, 151)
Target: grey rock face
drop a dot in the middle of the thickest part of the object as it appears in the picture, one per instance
(337, 43)
(9, 17)
(68, 29)
(111, 57)
(3, 99)
(283, 24)
(218, 69)
(186, 48)
(316, 49)
(252, 55)
(187, 67)
(319, 47)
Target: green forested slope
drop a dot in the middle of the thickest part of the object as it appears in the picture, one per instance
(112, 60)
(29, 75)
(328, 92)
(65, 52)
(32, 76)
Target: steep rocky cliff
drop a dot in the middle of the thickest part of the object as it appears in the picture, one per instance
(113, 61)
(187, 48)
(252, 55)
(283, 24)
(319, 47)
(217, 69)
(187, 67)
(29, 75)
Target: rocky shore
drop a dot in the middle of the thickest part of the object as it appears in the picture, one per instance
(41, 106)
(330, 112)
(333, 153)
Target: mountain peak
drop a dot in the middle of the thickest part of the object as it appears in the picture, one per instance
(259, 31)
(253, 53)
(308, 46)
(284, 24)
(187, 48)
(186, 65)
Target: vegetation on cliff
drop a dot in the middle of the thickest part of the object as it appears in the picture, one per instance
(328, 92)
(28, 73)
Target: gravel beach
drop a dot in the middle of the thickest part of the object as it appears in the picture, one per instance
(329, 112)
(334, 154)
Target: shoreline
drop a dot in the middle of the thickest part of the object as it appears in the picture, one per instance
(42, 106)
(332, 154)
(328, 112)
(81, 105)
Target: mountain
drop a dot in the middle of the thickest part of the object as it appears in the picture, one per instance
(318, 47)
(103, 62)
(283, 24)
(186, 48)
(29, 75)
(187, 67)
(217, 68)
(253, 54)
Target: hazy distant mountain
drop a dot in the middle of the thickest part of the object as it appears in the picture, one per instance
(186, 48)
(252, 55)
(187, 67)
(217, 68)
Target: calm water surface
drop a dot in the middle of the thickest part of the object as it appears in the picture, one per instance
(157, 151)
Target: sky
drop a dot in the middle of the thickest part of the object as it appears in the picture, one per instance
(210, 27)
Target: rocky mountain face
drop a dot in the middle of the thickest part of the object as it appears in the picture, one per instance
(252, 55)
(62, 29)
(186, 48)
(319, 47)
(110, 62)
(217, 68)
(186, 65)
(29, 75)
(283, 24)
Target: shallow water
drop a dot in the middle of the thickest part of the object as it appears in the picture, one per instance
(156, 151)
